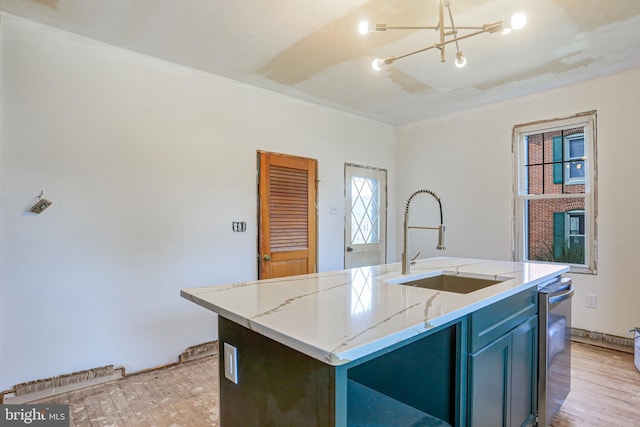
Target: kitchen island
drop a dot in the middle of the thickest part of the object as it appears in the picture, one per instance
(355, 347)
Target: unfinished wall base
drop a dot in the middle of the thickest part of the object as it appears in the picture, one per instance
(47, 387)
(600, 339)
(198, 351)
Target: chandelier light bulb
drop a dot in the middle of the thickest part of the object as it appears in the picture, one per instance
(363, 27)
(377, 64)
(506, 30)
(518, 20)
(461, 60)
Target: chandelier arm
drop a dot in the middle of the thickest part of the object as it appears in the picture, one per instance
(486, 29)
(454, 32)
(466, 27)
(405, 27)
(442, 33)
(433, 46)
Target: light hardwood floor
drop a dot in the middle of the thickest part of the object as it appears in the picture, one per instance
(605, 389)
(605, 392)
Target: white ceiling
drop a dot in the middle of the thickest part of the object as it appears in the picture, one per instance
(311, 50)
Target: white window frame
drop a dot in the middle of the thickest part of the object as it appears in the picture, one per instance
(567, 232)
(567, 157)
(520, 235)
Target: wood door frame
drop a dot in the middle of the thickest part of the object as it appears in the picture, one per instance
(312, 230)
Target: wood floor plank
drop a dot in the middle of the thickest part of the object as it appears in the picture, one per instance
(605, 392)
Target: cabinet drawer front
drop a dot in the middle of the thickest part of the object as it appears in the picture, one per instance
(490, 323)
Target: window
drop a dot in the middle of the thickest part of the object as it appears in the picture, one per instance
(555, 194)
(574, 233)
(365, 218)
(568, 236)
(574, 155)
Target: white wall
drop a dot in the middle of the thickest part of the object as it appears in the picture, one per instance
(147, 164)
(466, 157)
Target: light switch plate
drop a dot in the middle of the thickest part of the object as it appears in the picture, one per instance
(40, 206)
(239, 226)
(231, 363)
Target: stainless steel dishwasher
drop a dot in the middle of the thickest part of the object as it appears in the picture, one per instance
(554, 351)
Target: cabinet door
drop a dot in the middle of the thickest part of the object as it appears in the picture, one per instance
(490, 384)
(502, 379)
(523, 373)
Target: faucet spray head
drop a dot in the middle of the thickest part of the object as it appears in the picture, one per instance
(441, 246)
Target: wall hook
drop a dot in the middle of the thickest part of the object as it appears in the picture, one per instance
(41, 204)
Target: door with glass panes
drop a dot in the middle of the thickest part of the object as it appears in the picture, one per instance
(365, 216)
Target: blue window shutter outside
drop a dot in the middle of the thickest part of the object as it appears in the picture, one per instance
(558, 151)
(558, 234)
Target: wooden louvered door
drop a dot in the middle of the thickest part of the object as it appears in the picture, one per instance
(287, 217)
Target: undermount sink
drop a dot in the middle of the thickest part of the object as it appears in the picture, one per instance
(450, 282)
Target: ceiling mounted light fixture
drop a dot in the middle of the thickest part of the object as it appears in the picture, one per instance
(448, 34)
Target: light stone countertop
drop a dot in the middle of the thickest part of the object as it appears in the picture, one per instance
(340, 316)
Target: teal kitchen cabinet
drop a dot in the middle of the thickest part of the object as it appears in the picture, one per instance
(502, 363)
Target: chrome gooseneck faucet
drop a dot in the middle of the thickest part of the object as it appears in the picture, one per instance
(406, 263)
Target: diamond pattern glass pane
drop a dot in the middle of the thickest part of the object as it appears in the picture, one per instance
(365, 210)
(361, 291)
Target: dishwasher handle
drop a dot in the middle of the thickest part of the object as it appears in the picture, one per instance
(558, 297)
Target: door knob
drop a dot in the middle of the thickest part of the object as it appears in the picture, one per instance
(349, 249)
(266, 257)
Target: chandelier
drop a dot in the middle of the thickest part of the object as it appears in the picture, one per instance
(448, 34)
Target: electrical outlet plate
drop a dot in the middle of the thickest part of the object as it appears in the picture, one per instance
(231, 363)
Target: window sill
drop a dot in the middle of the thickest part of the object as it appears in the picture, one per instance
(573, 268)
(582, 269)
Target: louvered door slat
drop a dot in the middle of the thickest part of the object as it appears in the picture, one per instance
(289, 202)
